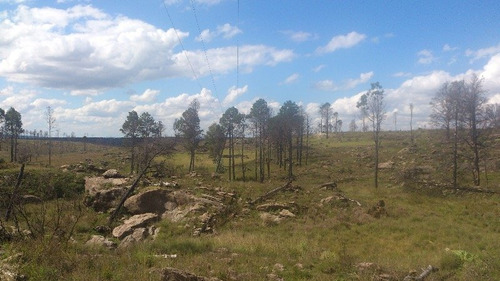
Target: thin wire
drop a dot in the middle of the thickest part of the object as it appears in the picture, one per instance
(238, 48)
(182, 45)
(204, 47)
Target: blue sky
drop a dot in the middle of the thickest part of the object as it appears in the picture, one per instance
(94, 61)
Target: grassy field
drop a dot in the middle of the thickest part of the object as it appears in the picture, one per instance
(423, 223)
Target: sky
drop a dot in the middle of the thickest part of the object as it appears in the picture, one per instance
(93, 62)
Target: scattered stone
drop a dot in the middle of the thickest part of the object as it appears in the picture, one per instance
(100, 241)
(112, 174)
(174, 274)
(386, 165)
(270, 219)
(132, 223)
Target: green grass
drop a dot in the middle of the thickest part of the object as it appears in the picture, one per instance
(455, 231)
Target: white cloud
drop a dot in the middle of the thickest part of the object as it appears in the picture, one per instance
(402, 74)
(448, 48)
(85, 51)
(319, 68)
(227, 31)
(299, 36)
(148, 96)
(425, 57)
(482, 53)
(342, 42)
(234, 93)
(290, 79)
(330, 86)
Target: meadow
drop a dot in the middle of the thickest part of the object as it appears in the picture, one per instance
(422, 221)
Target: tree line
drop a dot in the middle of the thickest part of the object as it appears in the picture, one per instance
(11, 127)
(461, 109)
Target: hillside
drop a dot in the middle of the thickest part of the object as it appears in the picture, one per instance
(329, 223)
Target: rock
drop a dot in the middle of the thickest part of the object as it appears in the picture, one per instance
(269, 207)
(174, 274)
(132, 223)
(30, 199)
(112, 174)
(150, 201)
(104, 200)
(139, 235)
(100, 241)
(286, 214)
(386, 165)
(270, 219)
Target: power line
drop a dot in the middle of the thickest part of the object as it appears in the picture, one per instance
(204, 47)
(182, 45)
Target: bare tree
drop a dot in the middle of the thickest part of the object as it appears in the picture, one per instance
(326, 112)
(411, 122)
(372, 102)
(475, 114)
(51, 120)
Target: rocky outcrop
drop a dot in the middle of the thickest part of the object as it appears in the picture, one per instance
(102, 194)
(152, 201)
(134, 222)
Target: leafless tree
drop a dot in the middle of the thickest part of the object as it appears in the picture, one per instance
(372, 102)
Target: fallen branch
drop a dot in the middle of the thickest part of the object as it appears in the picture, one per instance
(426, 271)
(271, 193)
(329, 185)
(341, 196)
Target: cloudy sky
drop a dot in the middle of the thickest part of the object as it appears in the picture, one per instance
(94, 61)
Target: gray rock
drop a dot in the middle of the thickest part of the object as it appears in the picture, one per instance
(132, 223)
(100, 241)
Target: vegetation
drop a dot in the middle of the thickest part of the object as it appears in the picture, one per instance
(425, 221)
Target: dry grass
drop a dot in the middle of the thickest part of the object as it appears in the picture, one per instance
(424, 224)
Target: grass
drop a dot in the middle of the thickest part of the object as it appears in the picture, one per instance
(455, 231)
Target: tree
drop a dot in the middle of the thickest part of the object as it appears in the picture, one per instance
(231, 121)
(147, 125)
(14, 127)
(292, 121)
(325, 111)
(2, 128)
(131, 130)
(188, 128)
(442, 108)
(259, 116)
(51, 120)
(411, 122)
(215, 141)
(372, 102)
(352, 126)
(336, 117)
(474, 103)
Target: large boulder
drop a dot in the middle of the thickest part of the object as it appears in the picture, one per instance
(157, 201)
(134, 222)
(101, 194)
(150, 201)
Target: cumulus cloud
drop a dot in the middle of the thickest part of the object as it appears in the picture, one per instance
(84, 50)
(425, 57)
(330, 86)
(226, 31)
(148, 96)
(233, 93)
(342, 42)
